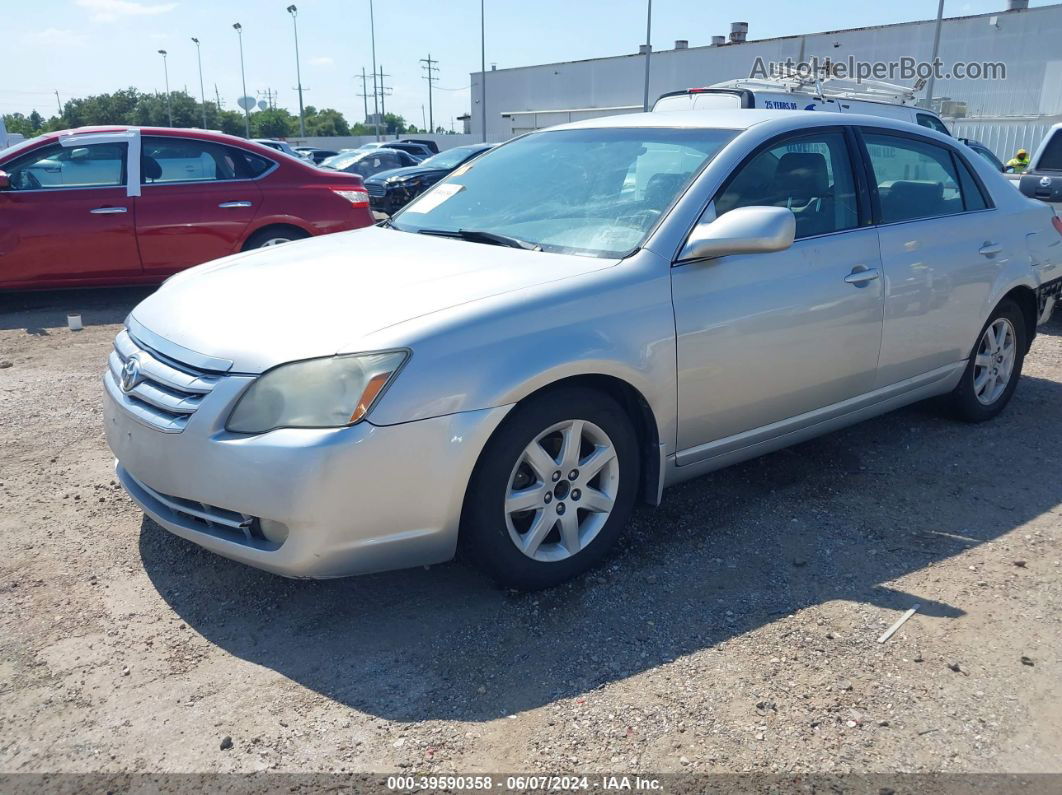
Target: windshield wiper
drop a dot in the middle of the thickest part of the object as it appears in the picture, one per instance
(482, 236)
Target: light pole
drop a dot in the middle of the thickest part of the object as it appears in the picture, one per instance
(375, 96)
(483, 69)
(243, 81)
(936, 51)
(166, 72)
(298, 73)
(648, 52)
(202, 92)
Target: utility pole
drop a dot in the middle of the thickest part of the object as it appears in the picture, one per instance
(217, 96)
(365, 93)
(483, 68)
(423, 120)
(202, 93)
(383, 93)
(243, 80)
(431, 71)
(649, 51)
(936, 51)
(298, 72)
(58, 102)
(166, 71)
(375, 101)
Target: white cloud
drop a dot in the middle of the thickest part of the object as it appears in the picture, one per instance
(110, 10)
(57, 37)
(322, 60)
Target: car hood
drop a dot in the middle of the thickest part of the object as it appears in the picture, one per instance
(408, 171)
(325, 295)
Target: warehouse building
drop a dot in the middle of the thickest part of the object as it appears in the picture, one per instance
(1005, 113)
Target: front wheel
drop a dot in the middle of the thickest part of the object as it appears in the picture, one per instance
(553, 489)
(995, 365)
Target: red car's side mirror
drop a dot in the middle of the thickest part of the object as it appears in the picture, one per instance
(5, 180)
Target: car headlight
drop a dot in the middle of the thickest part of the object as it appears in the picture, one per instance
(403, 182)
(317, 393)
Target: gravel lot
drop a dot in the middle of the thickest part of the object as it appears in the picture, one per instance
(735, 631)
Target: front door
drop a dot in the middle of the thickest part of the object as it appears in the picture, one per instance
(766, 337)
(66, 218)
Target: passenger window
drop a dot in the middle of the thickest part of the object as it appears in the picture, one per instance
(57, 167)
(168, 160)
(812, 176)
(932, 122)
(972, 197)
(915, 179)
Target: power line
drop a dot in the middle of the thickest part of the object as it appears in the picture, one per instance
(431, 75)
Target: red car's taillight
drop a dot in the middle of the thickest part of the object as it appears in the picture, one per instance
(356, 196)
(1058, 224)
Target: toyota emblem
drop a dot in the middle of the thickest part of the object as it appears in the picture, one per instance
(131, 373)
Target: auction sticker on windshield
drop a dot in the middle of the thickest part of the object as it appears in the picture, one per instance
(429, 201)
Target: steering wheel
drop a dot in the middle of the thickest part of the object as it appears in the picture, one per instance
(641, 217)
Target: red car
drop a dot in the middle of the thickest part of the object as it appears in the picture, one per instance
(128, 205)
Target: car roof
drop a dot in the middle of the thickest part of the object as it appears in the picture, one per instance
(744, 119)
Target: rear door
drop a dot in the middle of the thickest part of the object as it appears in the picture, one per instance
(942, 247)
(197, 199)
(67, 219)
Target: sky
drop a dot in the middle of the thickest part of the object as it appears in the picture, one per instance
(81, 47)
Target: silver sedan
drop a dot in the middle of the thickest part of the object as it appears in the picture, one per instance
(567, 325)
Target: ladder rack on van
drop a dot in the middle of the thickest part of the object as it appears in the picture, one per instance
(871, 90)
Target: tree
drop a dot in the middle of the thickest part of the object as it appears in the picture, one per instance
(326, 121)
(273, 123)
(394, 124)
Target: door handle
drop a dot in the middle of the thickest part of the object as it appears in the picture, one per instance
(990, 249)
(861, 277)
(109, 210)
(230, 205)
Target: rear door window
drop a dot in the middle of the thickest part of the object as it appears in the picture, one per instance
(166, 160)
(915, 178)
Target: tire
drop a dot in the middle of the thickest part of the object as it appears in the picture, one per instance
(992, 373)
(571, 522)
(273, 236)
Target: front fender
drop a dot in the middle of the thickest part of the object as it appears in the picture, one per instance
(618, 322)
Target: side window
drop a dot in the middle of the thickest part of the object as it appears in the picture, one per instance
(255, 165)
(810, 175)
(166, 160)
(932, 122)
(972, 197)
(987, 154)
(58, 167)
(915, 179)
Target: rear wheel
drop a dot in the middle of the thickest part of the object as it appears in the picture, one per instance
(992, 373)
(553, 489)
(275, 236)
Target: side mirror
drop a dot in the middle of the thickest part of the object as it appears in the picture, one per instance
(746, 230)
(5, 180)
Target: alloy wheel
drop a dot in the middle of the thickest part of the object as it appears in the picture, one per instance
(994, 361)
(562, 490)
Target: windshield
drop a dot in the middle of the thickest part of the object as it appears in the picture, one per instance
(596, 192)
(451, 158)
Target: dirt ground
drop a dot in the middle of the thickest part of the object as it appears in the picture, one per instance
(736, 630)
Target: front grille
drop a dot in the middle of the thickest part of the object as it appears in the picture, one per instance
(166, 393)
(375, 189)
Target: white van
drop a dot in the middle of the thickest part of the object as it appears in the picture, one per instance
(839, 96)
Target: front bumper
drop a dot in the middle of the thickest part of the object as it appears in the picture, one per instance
(299, 502)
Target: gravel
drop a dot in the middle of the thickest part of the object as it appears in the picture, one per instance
(735, 630)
